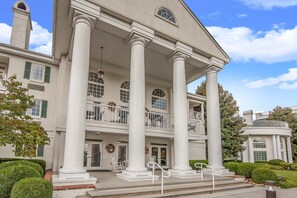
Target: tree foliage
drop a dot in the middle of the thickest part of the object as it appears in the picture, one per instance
(231, 122)
(286, 114)
(17, 128)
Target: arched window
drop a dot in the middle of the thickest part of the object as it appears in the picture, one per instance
(166, 14)
(125, 92)
(159, 99)
(22, 6)
(259, 143)
(95, 86)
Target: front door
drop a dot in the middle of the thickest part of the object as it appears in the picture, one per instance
(160, 155)
(93, 155)
(122, 152)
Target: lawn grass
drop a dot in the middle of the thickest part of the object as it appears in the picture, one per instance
(291, 178)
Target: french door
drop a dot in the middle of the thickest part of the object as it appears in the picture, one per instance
(122, 152)
(93, 155)
(160, 155)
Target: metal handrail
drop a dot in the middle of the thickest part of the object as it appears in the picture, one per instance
(201, 166)
(153, 165)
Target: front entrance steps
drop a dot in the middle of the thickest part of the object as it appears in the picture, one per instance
(222, 172)
(173, 187)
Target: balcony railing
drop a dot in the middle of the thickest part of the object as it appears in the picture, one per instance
(113, 115)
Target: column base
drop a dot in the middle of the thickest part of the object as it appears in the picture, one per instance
(73, 179)
(218, 172)
(137, 175)
(184, 174)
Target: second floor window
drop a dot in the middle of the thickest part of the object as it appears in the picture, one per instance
(95, 86)
(125, 92)
(159, 99)
(37, 72)
(39, 110)
(259, 143)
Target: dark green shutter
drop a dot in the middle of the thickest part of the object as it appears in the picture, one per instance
(40, 150)
(47, 74)
(44, 109)
(27, 70)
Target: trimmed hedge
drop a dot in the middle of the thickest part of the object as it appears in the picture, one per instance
(261, 162)
(246, 169)
(232, 160)
(193, 162)
(293, 167)
(42, 163)
(12, 174)
(275, 161)
(232, 166)
(261, 175)
(23, 162)
(32, 188)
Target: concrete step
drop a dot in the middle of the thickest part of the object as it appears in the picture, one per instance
(169, 189)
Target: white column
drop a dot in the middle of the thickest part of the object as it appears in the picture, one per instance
(137, 107)
(289, 150)
(214, 139)
(278, 146)
(76, 121)
(274, 147)
(251, 151)
(180, 105)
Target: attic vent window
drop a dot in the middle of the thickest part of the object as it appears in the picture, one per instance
(22, 6)
(166, 14)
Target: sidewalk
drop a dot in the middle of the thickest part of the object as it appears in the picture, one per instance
(256, 192)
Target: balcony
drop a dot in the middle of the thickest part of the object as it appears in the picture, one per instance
(118, 117)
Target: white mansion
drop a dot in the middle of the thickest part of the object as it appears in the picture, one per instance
(115, 87)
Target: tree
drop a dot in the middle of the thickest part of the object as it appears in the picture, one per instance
(231, 122)
(17, 128)
(286, 115)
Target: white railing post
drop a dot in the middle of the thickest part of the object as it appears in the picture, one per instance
(162, 183)
(152, 165)
(200, 165)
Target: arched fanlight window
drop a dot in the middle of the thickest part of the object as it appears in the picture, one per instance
(22, 6)
(95, 86)
(159, 99)
(166, 14)
(125, 92)
(259, 143)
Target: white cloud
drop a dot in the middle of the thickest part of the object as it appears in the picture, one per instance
(40, 38)
(242, 44)
(5, 32)
(269, 4)
(242, 15)
(282, 81)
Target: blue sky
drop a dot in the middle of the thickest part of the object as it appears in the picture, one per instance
(260, 36)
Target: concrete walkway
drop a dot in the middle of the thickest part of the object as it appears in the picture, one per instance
(256, 192)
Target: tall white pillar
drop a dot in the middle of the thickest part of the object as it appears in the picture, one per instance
(251, 150)
(289, 150)
(278, 146)
(274, 147)
(75, 127)
(180, 114)
(214, 139)
(137, 167)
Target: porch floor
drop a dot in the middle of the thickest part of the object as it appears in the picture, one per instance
(109, 180)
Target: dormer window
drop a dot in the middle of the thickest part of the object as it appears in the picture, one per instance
(167, 15)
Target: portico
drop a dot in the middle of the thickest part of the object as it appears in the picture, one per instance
(143, 56)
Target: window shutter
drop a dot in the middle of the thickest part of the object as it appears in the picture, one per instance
(40, 150)
(47, 74)
(44, 109)
(27, 70)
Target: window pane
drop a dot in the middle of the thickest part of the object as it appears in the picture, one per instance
(40, 150)
(260, 155)
(35, 111)
(37, 72)
(95, 86)
(166, 14)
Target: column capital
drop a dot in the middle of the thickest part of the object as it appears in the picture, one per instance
(82, 18)
(181, 51)
(140, 33)
(177, 55)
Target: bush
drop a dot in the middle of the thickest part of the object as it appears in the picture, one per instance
(232, 160)
(232, 166)
(275, 161)
(293, 167)
(245, 169)
(263, 165)
(284, 165)
(10, 175)
(261, 162)
(261, 175)
(32, 188)
(193, 162)
(42, 163)
(23, 162)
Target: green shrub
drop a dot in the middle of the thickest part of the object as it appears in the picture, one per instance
(245, 169)
(232, 166)
(276, 167)
(23, 162)
(42, 163)
(261, 162)
(232, 160)
(275, 161)
(263, 165)
(284, 165)
(193, 162)
(293, 167)
(261, 175)
(10, 175)
(32, 188)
